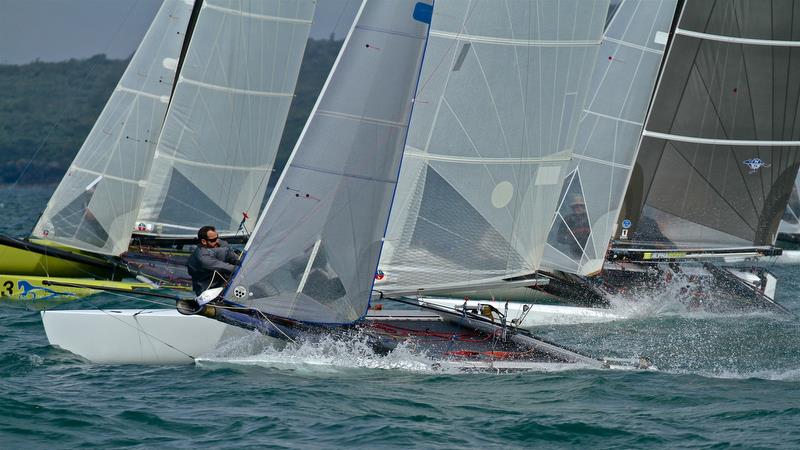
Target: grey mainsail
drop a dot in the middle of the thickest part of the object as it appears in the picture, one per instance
(609, 131)
(719, 153)
(95, 206)
(226, 118)
(314, 252)
(502, 89)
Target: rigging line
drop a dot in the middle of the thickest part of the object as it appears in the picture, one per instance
(276, 327)
(63, 112)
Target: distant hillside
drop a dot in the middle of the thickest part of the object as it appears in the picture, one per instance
(54, 105)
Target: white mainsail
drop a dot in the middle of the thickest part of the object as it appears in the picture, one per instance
(501, 92)
(95, 206)
(225, 121)
(314, 252)
(625, 73)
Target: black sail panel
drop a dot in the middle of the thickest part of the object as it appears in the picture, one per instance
(720, 150)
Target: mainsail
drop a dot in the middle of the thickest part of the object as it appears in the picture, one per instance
(501, 92)
(221, 134)
(609, 131)
(719, 153)
(316, 246)
(95, 206)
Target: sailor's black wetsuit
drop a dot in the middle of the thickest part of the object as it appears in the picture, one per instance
(211, 267)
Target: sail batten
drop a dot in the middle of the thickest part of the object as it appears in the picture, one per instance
(104, 175)
(514, 42)
(152, 95)
(709, 141)
(270, 18)
(736, 40)
(190, 162)
(412, 152)
(219, 87)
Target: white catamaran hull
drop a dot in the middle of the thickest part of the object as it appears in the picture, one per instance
(135, 336)
(529, 315)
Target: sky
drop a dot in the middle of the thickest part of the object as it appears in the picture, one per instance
(57, 30)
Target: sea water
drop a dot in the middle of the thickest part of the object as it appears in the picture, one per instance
(722, 381)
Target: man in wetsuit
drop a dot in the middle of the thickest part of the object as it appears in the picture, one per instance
(212, 262)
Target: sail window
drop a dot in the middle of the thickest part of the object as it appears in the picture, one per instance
(572, 228)
(77, 221)
(468, 241)
(201, 210)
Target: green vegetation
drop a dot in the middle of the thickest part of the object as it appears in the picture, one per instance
(47, 109)
(50, 107)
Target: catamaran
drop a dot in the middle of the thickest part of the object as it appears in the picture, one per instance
(310, 264)
(716, 160)
(705, 177)
(188, 138)
(624, 74)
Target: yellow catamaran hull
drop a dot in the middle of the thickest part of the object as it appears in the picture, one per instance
(25, 266)
(32, 292)
(19, 257)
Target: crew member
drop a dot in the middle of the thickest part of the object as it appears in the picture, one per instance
(212, 262)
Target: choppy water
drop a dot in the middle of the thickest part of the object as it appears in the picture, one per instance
(724, 381)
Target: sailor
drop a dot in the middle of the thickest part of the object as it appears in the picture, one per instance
(212, 262)
(578, 220)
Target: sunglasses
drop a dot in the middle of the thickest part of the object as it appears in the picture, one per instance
(211, 240)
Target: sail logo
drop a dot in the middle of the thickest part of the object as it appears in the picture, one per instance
(754, 164)
(147, 227)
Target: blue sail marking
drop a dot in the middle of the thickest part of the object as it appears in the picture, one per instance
(423, 12)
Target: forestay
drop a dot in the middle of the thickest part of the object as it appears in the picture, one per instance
(502, 88)
(224, 124)
(315, 250)
(719, 153)
(610, 127)
(95, 206)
